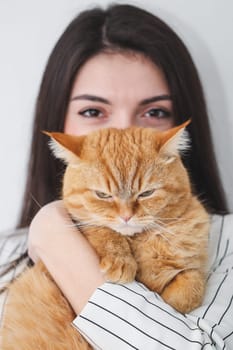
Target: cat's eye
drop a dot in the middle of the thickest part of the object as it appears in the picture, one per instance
(91, 113)
(146, 193)
(158, 113)
(103, 195)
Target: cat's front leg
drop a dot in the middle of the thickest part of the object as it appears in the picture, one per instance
(185, 292)
(116, 259)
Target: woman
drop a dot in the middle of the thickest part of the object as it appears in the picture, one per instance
(118, 68)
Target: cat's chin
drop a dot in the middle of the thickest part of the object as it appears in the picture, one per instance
(128, 231)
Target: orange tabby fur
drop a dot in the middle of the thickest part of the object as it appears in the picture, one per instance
(131, 197)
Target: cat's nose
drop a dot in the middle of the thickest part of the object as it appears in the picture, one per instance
(126, 218)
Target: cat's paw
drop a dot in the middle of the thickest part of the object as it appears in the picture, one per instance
(185, 292)
(119, 268)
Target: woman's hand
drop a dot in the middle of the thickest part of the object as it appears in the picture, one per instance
(49, 221)
(66, 253)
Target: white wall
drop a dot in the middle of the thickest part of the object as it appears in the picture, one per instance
(28, 31)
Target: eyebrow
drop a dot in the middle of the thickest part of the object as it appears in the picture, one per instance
(104, 100)
(155, 99)
(90, 98)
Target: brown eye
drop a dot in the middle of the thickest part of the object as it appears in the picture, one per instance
(146, 194)
(102, 195)
(91, 113)
(158, 113)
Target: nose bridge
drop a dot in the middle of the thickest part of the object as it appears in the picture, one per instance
(123, 119)
(126, 208)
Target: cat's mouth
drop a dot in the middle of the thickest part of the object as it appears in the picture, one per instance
(128, 230)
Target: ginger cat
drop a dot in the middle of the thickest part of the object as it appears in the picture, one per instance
(130, 195)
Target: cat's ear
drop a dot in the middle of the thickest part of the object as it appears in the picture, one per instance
(66, 147)
(173, 142)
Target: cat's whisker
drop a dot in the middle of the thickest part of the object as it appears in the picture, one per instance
(165, 229)
(34, 199)
(165, 238)
(71, 225)
(163, 235)
(160, 220)
(171, 219)
(85, 224)
(162, 230)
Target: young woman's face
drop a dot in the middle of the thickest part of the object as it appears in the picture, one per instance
(119, 90)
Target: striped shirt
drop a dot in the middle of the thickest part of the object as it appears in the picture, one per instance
(129, 316)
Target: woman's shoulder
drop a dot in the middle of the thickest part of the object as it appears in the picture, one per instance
(13, 244)
(220, 240)
(221, 225)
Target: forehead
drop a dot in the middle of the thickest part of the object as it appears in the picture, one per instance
(113, 73)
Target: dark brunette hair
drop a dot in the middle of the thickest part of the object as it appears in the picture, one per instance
(127, 28)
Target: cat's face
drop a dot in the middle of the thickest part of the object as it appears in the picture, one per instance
(125, 179)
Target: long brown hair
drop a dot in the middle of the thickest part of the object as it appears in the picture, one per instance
(119, 27)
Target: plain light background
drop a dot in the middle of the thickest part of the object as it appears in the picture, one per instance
(28, 32)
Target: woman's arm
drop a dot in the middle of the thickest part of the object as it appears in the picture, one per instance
(130, 316)
(66, 253)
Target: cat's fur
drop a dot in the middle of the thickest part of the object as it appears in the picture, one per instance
(131, 197)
